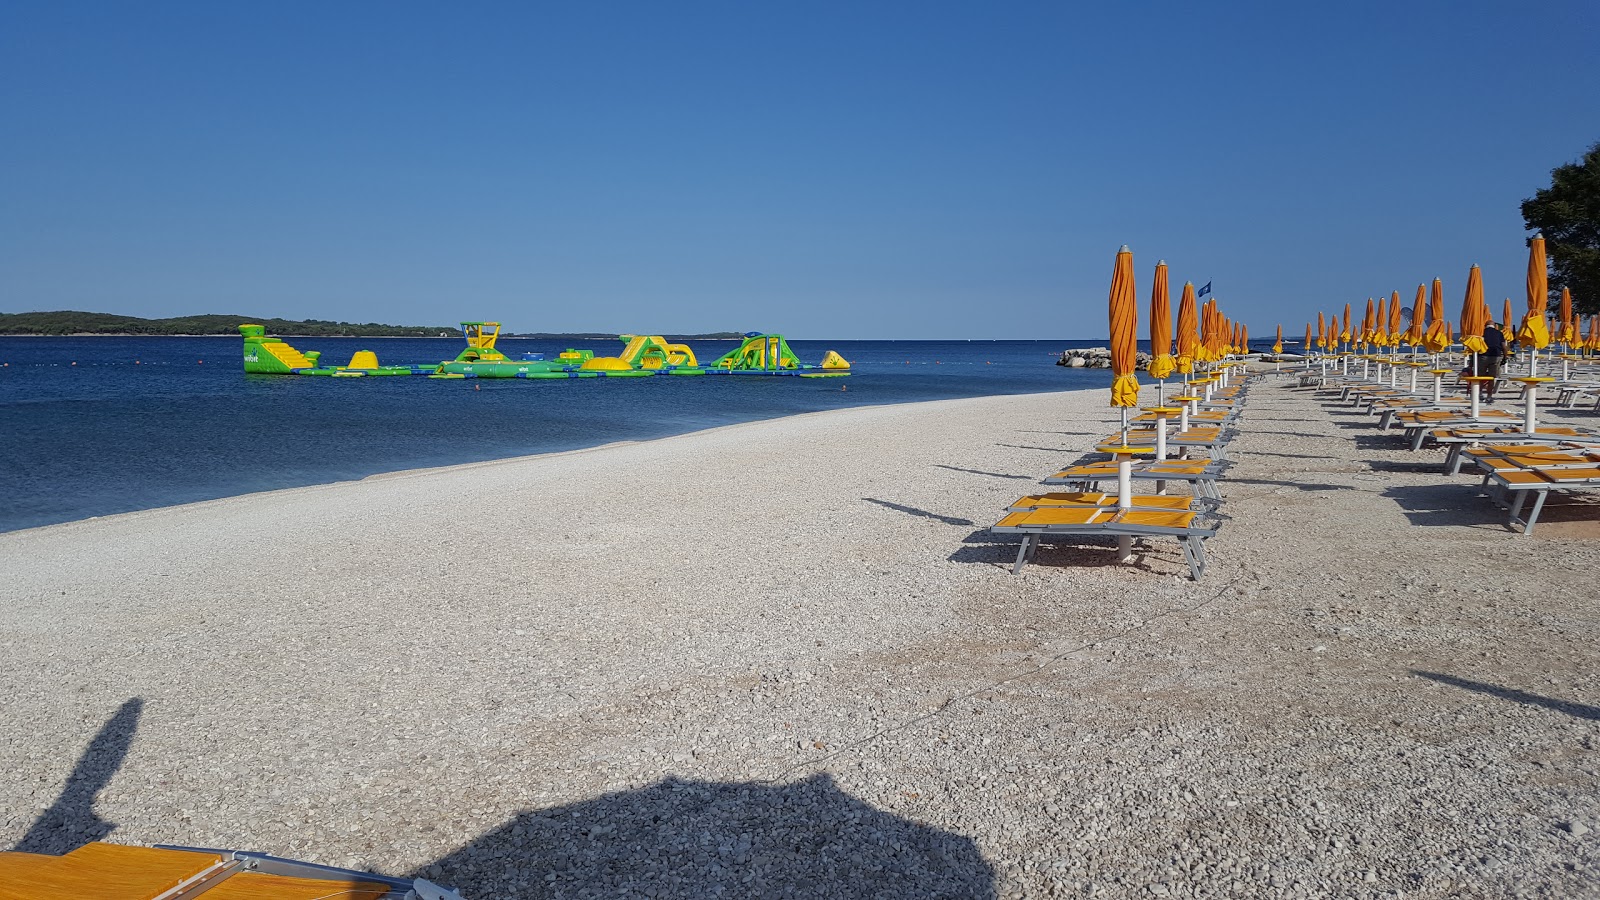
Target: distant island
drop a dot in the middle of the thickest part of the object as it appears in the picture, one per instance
(68, 322)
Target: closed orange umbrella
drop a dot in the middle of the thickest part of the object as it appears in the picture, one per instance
(1322, 332)
(1345, 334)
(1188, 329)
(1369, 323)
(1569, 329)
(1124, 310)
(1436, 300)
(1244, 338)
(1534, 332)
(1333, 333)
(1472, 313)
(1380, 329)
(1277, 345)
(1594, 333)
(1305, 348)
(1505, 323)
(1394, 319)
(1161, 364)
(1419, 310)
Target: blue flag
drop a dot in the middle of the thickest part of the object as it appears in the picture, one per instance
(1203, 291)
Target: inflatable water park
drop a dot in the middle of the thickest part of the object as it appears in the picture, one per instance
(641, 357)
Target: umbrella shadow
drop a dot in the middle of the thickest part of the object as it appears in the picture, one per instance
(1031, 447)
(981, 472)
(71, 819)
(1576, 710)
(1302, 485)
(682, 838)
(1432, 467)
(921, 513)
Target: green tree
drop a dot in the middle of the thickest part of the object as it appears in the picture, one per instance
(1568, 214)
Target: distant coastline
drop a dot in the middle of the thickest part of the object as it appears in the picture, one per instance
(72, 323)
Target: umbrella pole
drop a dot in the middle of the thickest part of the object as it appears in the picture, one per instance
(1533, 362)
(1530, 408)
(1124, 501)
(1124, 426)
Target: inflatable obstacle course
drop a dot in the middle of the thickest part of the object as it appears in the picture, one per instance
(642, 356)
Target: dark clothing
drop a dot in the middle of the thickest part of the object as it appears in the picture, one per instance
(1496, 342)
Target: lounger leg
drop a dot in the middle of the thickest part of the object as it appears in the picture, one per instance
(1452, 463)
(1514, 505)
(1417, 437)
(1022, 554)
(1194, 555)
(1538, 504)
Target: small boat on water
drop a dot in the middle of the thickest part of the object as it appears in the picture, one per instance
(101, 871)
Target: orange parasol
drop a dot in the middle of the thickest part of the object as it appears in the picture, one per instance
(1124, 311)
(1419, 310)
(1380, 330)
(1438, 338)
(1594, 333)
(1161, 364)
(1322, 332)
(1472, 313)
(1244, 338)
(1534, 332)
(1505, 323)
(1188, 329)
(1345, 334)
(1369, 323)
(1305, 348)
(1277, 345)
(1394, 319)
(1569, 328)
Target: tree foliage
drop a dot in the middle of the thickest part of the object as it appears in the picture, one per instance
(1568, 214)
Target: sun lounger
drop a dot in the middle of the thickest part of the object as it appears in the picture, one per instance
(1190, 529)
(1200, 474)
(1095, 498)
(1458, 439)
(1212, 439)
(1539, 474)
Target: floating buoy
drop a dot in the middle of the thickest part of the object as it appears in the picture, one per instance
(477, 387)
(74, 362)
(844, 387)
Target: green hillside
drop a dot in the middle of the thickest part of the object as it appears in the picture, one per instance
(72, 322)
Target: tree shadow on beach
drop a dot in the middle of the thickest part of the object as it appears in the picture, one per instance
(701, 839)
(1576, 710)
(71, 820)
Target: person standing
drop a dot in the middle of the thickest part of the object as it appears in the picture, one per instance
(1490, 359)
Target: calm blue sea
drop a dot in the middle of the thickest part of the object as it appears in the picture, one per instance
(91, 426)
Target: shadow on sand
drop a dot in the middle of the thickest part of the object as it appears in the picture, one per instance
(920, 513)
(674, 839)
(1576, 710)
(699, 839)
(71, 820)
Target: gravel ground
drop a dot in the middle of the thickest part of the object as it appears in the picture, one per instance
(784, 659)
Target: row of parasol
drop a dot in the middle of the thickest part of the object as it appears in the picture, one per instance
(1204, 334)
(1383, 324)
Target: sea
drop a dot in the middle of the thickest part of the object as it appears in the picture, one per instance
(93, 426)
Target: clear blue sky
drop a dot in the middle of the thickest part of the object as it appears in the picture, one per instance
(848, 170)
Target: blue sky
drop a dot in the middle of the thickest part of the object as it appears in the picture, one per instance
(851, 170)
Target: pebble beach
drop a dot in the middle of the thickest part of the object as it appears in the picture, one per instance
(785, 659)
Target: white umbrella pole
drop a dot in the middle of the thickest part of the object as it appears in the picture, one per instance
(1124, 501)
(1533, 362)
(1413, 378)
(1530, 408)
